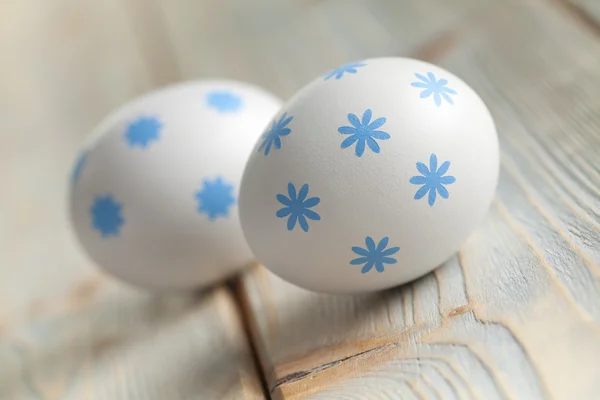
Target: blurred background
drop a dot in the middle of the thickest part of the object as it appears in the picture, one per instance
(65, 64)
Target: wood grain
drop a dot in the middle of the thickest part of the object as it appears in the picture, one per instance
(283, 45)
(124, 344)
(66, 332)
(514, 315)
(516, 312)
(589, 11)
(62, 71)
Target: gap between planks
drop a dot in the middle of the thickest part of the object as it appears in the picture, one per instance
(157, 48)
(242, 303)
(148, 25)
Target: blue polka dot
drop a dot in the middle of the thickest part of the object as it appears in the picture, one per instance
(107, 216)
(215, 198)
(224, 101)
(143, 131)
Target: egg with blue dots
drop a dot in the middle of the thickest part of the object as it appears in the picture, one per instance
(153, 196)
(370, 176)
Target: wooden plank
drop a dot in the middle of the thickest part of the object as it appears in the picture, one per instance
(122, 344)
(67, 332)
(588, 11)
(517, 311)
(62, 71)
(282, 45)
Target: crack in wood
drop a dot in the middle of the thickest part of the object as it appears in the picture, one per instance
(296, 376)
(236, 287)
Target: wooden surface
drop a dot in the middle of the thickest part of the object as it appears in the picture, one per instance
(516, 312)
(65, 331)
(514, 315)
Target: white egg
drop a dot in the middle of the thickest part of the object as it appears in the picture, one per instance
(370, 176)
(154, 195)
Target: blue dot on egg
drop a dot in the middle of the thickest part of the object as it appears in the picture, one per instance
(350, 68)
(143, 131)
(434, 87)
(363, 132)
(432, 180)
(107, 217)
(224, 101)
(272, 137)
(298, 207)
(215, 199)
(374, 255)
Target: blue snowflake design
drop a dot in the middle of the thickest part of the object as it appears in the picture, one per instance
(349, 68)
(432, 86)
(432, 179)
(272, 137)
(143, 131)
(215, 198)
(298, 207)
(363, 132)
(374, 256)
(79, 164)
(107, 215)
(224, 101)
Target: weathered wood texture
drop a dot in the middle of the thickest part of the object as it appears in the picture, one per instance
(281, 45)
(65, 331)
(108, 342)
(589, 10)
(516, 313)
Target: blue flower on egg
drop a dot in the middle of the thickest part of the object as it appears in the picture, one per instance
(79, 164)
(272, 137)
(432, 179)
(215, 198)
(374, 256)
(143, 131)
(224, 101)
(107, 215)
(349, 68)
(433, 86)
(298, 207)
(363, 132)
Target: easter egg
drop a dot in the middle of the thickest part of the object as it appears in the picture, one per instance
(153, 196)
(370, 176)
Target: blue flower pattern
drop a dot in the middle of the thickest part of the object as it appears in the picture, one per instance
(298, 207)
(143, 131)
(224, 101)
(215, 198)
(350, 68)
(363, 132)
(107, 215)
(272, 137)
(374, 256)
(432, 180)
(433, 86)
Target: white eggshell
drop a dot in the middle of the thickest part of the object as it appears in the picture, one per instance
(362, 139)
(154, 195)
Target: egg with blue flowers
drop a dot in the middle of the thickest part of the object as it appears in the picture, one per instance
(371, 176)
(154, 192)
